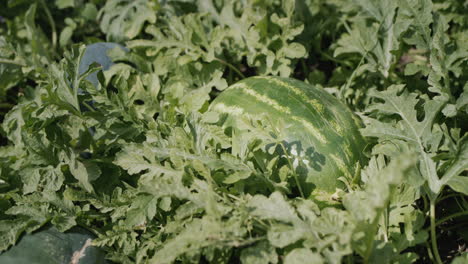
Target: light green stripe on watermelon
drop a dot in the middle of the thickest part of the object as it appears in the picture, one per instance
(261, 98)
(341, 165)
(273, 103)
(312, 101)
(348, 151)
(324, 97)
(320, 122)
(302, 104)
(234, 110)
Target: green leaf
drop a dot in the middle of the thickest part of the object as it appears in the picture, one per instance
(459, 165)
(84, 174)
(409, 129)
(39, 42)
(462, 101)
(67, 33)
(65, 80)
(142, 209)
(62, 4)
(461, 259)
(261, 253)
(196, 235)
(376, 41)
(237, 176)
(42, 178)
(280, 235)
(295, 50)
(368, 205)
(418, 15)
(302, 255)
(274, 207)
(268, 46)
(124, 19)
(459, 184)
(64, 222)
(135, 159)
(10, 231)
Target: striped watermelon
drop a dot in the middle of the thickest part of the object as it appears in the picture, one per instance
(320, 131)
(49, 246)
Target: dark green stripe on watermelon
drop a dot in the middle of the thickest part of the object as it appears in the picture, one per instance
(316, 119)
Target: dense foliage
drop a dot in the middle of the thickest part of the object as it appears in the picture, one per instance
(138, 160)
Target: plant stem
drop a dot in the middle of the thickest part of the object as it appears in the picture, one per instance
(292, 169)
(344, 88)
(90, 108)
(435, 249)
(232, 67)
(370, 240)
(5, 61)
(429, 252)
(425, 203)
(6, 105)
(305, 69)
(338, 61)
(448, 196)
(452, 227)
(375, 227)
(450, 217)
(51, 22)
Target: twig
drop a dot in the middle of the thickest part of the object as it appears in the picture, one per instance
(77, 255)
(232, 67)
(435, 249)
(6, 61)
(52, 24)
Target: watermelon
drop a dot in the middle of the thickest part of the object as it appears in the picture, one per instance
(49, 246)
(320, 131)
(97, 53)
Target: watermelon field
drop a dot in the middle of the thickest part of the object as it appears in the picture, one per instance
(233, 131)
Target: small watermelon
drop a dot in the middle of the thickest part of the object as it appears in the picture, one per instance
(97, 53)
(49, 246)
(320, 131)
